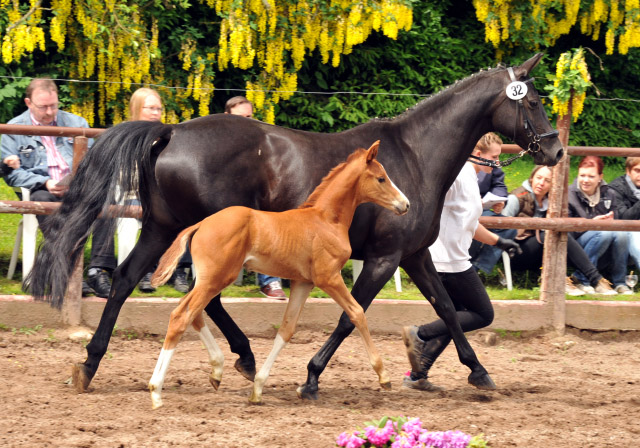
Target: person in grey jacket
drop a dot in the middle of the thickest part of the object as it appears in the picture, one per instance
(42, 165)
(627, 193)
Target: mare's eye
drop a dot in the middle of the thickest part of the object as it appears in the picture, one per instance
(381, 179)
(533, 103)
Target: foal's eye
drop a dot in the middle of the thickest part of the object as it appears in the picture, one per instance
(381, 179)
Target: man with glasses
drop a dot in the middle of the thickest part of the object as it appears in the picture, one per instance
(40, 163)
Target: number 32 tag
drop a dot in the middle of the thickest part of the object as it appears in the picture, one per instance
(516, 90)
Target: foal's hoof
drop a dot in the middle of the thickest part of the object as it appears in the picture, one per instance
(304, 393)
(482, 380)
(214, 382)
(80, 378)
(386, 385)
(246, 368)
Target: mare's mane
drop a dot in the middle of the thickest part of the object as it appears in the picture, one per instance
(436, 96)
(326, 180)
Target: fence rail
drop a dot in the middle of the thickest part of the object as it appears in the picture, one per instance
(71, 315)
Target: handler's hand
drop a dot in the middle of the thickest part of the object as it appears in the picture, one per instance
(55, 189)
(12, 161)
(510, 246)
(497, 208)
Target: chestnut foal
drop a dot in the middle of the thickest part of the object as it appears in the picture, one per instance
(308, 245)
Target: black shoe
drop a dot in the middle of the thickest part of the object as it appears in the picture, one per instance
(180, 282)
(145, 283)
(98, 280)
(86, 289)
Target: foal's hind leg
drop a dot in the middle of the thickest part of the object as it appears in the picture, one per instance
(339, 292)
(299, 293)
(216, 357)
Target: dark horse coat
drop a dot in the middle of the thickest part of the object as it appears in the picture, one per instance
(188, 171)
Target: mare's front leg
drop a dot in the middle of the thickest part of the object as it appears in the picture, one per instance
(151, 245)
(298, 296)
(375, 273)
(422, 271)
(339, 292)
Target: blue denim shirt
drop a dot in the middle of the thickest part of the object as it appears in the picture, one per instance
(34, 169)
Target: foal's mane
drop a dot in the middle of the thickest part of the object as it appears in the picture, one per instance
(436, 96)
(326, 180)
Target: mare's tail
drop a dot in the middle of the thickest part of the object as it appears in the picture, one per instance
(119, 162)
(169, 260)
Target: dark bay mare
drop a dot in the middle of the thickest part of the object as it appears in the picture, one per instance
(183, 173)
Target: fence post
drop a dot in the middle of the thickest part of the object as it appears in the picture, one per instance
(554, 259)
(72, 308)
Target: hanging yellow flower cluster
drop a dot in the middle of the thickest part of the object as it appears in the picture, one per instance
(23, 34)
(277, 33)
(546, 20)
(570, 83)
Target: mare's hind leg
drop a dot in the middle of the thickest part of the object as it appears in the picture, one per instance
(154, 240)
(299, 293)
(421, 270)
(339, 292)
(373, 277)
(216, 357)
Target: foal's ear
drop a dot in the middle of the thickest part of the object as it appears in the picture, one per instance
(528, 66)
(372, 152)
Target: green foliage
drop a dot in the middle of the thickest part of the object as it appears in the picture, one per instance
(11, 95)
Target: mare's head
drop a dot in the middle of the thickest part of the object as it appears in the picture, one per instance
(375, 186)
(518, 114)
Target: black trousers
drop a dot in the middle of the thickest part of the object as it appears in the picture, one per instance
(531, 257)
(470, 298)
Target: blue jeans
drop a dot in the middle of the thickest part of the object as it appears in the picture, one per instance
(596, 242)
(264, 280)
(484, 257)
(634, 248)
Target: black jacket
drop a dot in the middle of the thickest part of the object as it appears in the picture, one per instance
(627, 205)
(579, 205)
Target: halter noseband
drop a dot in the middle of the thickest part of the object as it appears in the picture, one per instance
(532, 134)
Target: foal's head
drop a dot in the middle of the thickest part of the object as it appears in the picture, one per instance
(375, 186)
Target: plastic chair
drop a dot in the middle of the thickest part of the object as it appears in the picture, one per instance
(127, 229)
(357, 268)
(506, 261)
(26, 234)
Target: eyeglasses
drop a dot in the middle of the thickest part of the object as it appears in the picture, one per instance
(53, 106)
(154, 109)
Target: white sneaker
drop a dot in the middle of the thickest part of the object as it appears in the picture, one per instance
(624, 289)
(588, 289)
(604, 288)
(571, 290)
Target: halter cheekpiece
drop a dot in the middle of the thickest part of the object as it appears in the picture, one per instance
(532, 134)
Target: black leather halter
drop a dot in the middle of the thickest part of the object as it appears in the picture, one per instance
(534, 138)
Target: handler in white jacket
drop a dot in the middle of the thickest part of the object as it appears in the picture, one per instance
(450, 254)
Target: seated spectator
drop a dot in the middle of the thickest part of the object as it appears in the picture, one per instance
(627, 194)
(531, 201)
(40, 163)
(590, 197)
(485, 256)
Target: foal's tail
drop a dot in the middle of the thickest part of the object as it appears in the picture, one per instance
(120, 162)
(169, 260)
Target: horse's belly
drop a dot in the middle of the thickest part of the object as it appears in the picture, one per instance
(274, 268)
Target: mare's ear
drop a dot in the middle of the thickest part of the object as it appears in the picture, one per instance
(372, 152)
(528, 66)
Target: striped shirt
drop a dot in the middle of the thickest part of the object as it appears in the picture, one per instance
(57, 166)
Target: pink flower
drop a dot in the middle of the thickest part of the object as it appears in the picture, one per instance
(350, 440)
(413, 427)
(379, 436)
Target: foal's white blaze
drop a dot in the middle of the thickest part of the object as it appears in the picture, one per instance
(157, 379)
(216, 357)
(402, 202)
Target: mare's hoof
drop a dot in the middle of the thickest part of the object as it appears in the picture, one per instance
(214, 382)
(305, 394)
(80, 378)
(482, 381)
(246, 368)
(386, 386)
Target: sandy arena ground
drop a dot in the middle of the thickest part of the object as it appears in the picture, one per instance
(578, 390)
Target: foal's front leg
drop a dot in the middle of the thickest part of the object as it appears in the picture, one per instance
(339, 292)
(298, 296)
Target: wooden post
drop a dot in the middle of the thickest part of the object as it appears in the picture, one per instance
(554, 259)
(72, 308)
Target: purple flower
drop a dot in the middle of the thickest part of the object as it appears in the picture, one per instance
(379, 436)
(413, 427)
(447, 439)
(403, 441)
